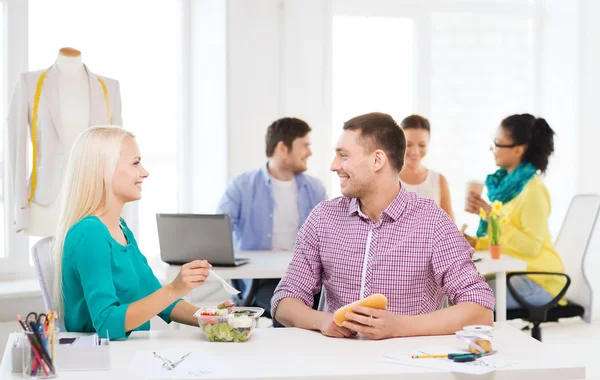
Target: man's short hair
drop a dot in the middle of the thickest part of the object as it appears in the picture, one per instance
(380, 131)
(287, 130)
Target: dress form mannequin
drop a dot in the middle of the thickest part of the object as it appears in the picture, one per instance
(67, 98)
(74, 95)
(74, 100)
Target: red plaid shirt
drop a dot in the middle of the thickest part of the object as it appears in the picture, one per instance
(414, 256)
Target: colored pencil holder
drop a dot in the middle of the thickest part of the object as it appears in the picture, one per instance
(36, 358)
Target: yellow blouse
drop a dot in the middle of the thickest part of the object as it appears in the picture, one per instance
(526, 235)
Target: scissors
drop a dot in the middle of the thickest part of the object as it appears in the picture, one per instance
(39, 320)
(169, 365)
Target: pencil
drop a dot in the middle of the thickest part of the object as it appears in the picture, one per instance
(448, 356)
(52, 331)
(445, 356)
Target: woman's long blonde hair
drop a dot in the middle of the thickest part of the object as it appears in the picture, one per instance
(87, 186)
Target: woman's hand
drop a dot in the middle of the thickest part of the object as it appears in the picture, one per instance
(475, 203)
(226, 304)
(191, 275)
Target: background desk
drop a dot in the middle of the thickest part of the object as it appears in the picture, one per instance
(273, 264)
(279, 353)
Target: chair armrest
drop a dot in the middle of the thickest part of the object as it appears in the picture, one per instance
(537, 313)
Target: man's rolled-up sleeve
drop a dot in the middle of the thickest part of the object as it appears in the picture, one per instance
(303, 276)
(453, 267)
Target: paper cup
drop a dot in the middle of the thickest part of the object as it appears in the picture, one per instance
(472, 187)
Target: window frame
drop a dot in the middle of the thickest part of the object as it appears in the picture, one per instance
(15, 264)
(421, 13)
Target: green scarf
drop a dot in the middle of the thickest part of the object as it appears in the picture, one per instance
(503, 187)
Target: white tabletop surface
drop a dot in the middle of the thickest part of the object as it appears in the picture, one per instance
(284, 352)
(273, 264)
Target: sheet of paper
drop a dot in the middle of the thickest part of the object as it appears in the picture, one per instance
(87, 340)
(481, 366)
(177, 364)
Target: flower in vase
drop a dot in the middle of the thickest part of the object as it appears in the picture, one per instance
(482, 213)
(496, 221)
(496, 205)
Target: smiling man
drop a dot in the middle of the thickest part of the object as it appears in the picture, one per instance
(379, 238)
(268, 205)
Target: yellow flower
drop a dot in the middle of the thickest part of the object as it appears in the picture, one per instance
(504, 220)
(496, 205)
(493, 213)
(482, 213)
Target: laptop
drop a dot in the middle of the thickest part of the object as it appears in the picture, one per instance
(187, 237)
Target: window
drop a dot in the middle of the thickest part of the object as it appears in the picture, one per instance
(135, 43)
(482, 71)
(465, 66)
(372, 70)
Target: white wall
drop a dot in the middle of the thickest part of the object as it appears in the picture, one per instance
(589, 85)
(205, 89)
(278, 59)
(305, 78)
(588, 156)
(569, 82)
(558, 100)
(253, 40)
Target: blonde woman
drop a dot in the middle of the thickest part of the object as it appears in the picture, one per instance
(102, 281)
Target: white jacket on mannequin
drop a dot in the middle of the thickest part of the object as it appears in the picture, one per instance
(51, 157)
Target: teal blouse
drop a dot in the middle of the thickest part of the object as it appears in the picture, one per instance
(102, 277)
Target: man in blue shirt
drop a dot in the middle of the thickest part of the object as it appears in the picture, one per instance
(268, 205)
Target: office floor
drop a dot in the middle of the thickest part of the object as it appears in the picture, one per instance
(568, 335)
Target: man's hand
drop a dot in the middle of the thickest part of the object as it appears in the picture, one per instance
(471, 240)
(373, 323)
(329, 328)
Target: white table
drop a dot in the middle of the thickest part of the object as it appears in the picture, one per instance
(263, 264)
(279, 353)
(273, 264)
(499, 267)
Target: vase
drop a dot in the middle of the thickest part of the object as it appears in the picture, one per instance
(495, 251)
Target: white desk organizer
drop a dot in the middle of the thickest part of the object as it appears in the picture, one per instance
(70, 358)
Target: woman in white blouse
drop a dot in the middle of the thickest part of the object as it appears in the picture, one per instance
(414, 176)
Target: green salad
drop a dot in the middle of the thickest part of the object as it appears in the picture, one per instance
(228, 324)
(222, 332)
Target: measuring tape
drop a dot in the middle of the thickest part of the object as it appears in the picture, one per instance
(478, 337)
(36, 105)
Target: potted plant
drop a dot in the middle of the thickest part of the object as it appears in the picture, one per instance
(496, 220)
